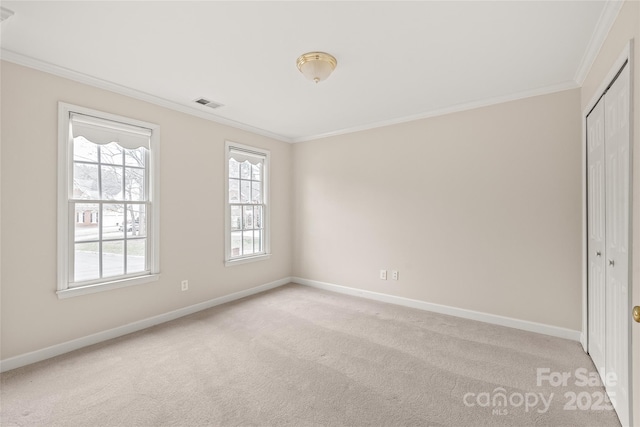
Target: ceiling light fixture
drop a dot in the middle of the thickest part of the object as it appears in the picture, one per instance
(316, 66)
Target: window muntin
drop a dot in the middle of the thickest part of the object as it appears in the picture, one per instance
(246, 203)
(108, 197)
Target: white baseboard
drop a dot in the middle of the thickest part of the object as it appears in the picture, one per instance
(510, 322)
(58, 349)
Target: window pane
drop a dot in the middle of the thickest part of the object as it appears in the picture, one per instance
(256, 172)
(84, 150)
(113, 220)
(87, 262)
(236, 243)
(236, 218)
(112, 258)
(111, 153)
(245, 203)
(85, 181)
(136, 254)
(257, 241)
(135, 157)
(247, 242)
(245, 170)
(108, 202)
(134, 184)
(245, 191)
(136, 220)
(257, 217)
(111, 182)
(247, 218)
(234, 191)
(256, 192)
(234, 168)
(87, 220)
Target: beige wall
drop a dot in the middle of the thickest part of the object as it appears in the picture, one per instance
(192, 239)
(626, 27)
(477, 210)
(465, 206)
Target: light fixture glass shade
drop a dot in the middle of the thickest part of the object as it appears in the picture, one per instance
(316, 66)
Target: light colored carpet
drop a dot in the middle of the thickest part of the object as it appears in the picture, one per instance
(300, 356)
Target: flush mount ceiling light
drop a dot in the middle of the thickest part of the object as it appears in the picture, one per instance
(316, 66)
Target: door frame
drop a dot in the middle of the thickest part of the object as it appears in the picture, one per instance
(625, 56)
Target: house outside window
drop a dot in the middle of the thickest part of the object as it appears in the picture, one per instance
(108, 230)
(246, 204)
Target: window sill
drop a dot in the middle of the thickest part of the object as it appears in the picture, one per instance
(238, 261)
(105, 286)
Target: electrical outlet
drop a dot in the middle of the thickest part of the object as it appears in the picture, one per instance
(185, 285)
(394, 274)
(383, 274)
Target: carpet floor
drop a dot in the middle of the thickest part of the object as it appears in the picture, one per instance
(298, 356)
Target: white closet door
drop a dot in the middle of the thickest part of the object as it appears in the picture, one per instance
(617, 145)
(596, 230)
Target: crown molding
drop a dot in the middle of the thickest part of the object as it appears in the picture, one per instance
(447, 110)
(605, 22)
(16, 58)
(123, 90)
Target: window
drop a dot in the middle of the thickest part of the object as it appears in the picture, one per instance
(108, 201)
(247, 208)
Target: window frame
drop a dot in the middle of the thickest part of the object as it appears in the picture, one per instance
(66, 219)
(266, 219)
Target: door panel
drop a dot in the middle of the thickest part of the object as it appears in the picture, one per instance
(618, 310)
(596, 229)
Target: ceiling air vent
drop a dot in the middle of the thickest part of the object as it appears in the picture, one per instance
(208, 103)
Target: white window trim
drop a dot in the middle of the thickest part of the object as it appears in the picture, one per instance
(228, 261)
(65, 221)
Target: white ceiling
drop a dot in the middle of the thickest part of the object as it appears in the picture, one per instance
(396, 60)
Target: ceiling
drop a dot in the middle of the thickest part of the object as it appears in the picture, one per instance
(397, 61)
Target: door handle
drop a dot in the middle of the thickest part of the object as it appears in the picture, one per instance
(612, 262)
(636, 313)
